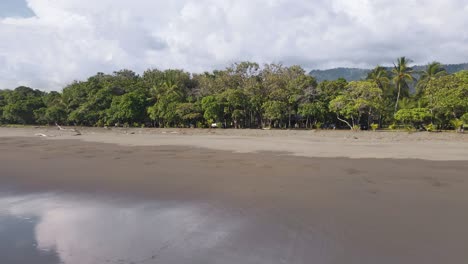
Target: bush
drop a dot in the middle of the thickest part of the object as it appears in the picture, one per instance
(99, 123)
(200, 125)
(464, 118)
(414, 117)
(318, 125)
(392, 126)
(457, 124)
(374, 126)
(430, 127)
(356, 128)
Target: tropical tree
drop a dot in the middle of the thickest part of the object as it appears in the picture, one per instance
(380, 76)
(242, 95)
(363, 97)
(414, 116)
(402, 74)
(189, 113)
(275, 111)
(20, 104)
(128, 108)
(433, 70)
(314, 111)
(212, 109)
(447, 96)
(235, 105)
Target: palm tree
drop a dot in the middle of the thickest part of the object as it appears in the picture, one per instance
(379, 75)
(401, 75)
(433, 71)
(407, 103)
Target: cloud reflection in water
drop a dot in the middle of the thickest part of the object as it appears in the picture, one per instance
(83, 230)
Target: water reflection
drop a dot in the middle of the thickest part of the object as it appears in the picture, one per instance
(71, 229)
(18, 243)
(55, 228)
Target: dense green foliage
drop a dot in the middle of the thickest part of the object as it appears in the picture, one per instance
(247, 95)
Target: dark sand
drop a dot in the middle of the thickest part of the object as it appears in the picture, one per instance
(293, 209)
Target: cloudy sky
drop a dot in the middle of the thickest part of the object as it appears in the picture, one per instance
(49, 43)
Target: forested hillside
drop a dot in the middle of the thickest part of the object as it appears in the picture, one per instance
(246, 95)
(355, 74)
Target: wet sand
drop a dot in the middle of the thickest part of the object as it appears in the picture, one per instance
(263, 207)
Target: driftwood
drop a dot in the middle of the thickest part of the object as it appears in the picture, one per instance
(77, 133)
(43, 135)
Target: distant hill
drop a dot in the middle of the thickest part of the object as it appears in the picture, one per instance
(355, 74)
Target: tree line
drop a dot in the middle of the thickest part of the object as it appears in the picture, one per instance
(247, 95)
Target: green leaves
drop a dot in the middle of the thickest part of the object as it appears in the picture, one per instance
(402, 74)
(244, 95)
(358, 98)
(20, 104)
(127, 108)
(413, 116)
(212, 107)
(448, 95)
(316, 110)
(274, 110)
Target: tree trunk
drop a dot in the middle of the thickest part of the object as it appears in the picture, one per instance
(342, 120)
(398, 97)
(368, 120)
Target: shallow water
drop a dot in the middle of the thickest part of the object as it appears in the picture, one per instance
(59, 228)
(78, 229)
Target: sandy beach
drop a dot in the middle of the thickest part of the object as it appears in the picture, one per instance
(313, 143)
(273, 196)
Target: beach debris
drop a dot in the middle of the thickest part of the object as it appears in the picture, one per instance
(127, 133)
(43, 135)
(77, 133)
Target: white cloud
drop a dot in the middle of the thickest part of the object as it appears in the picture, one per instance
(72, 39)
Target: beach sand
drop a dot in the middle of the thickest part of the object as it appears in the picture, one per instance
(311, 197)
(323, 143)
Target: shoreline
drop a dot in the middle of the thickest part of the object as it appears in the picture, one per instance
(301, 143)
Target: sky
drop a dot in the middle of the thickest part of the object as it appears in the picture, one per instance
(47, 44)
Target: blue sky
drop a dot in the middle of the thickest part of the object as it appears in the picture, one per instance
(15, 8)
(70, 40)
